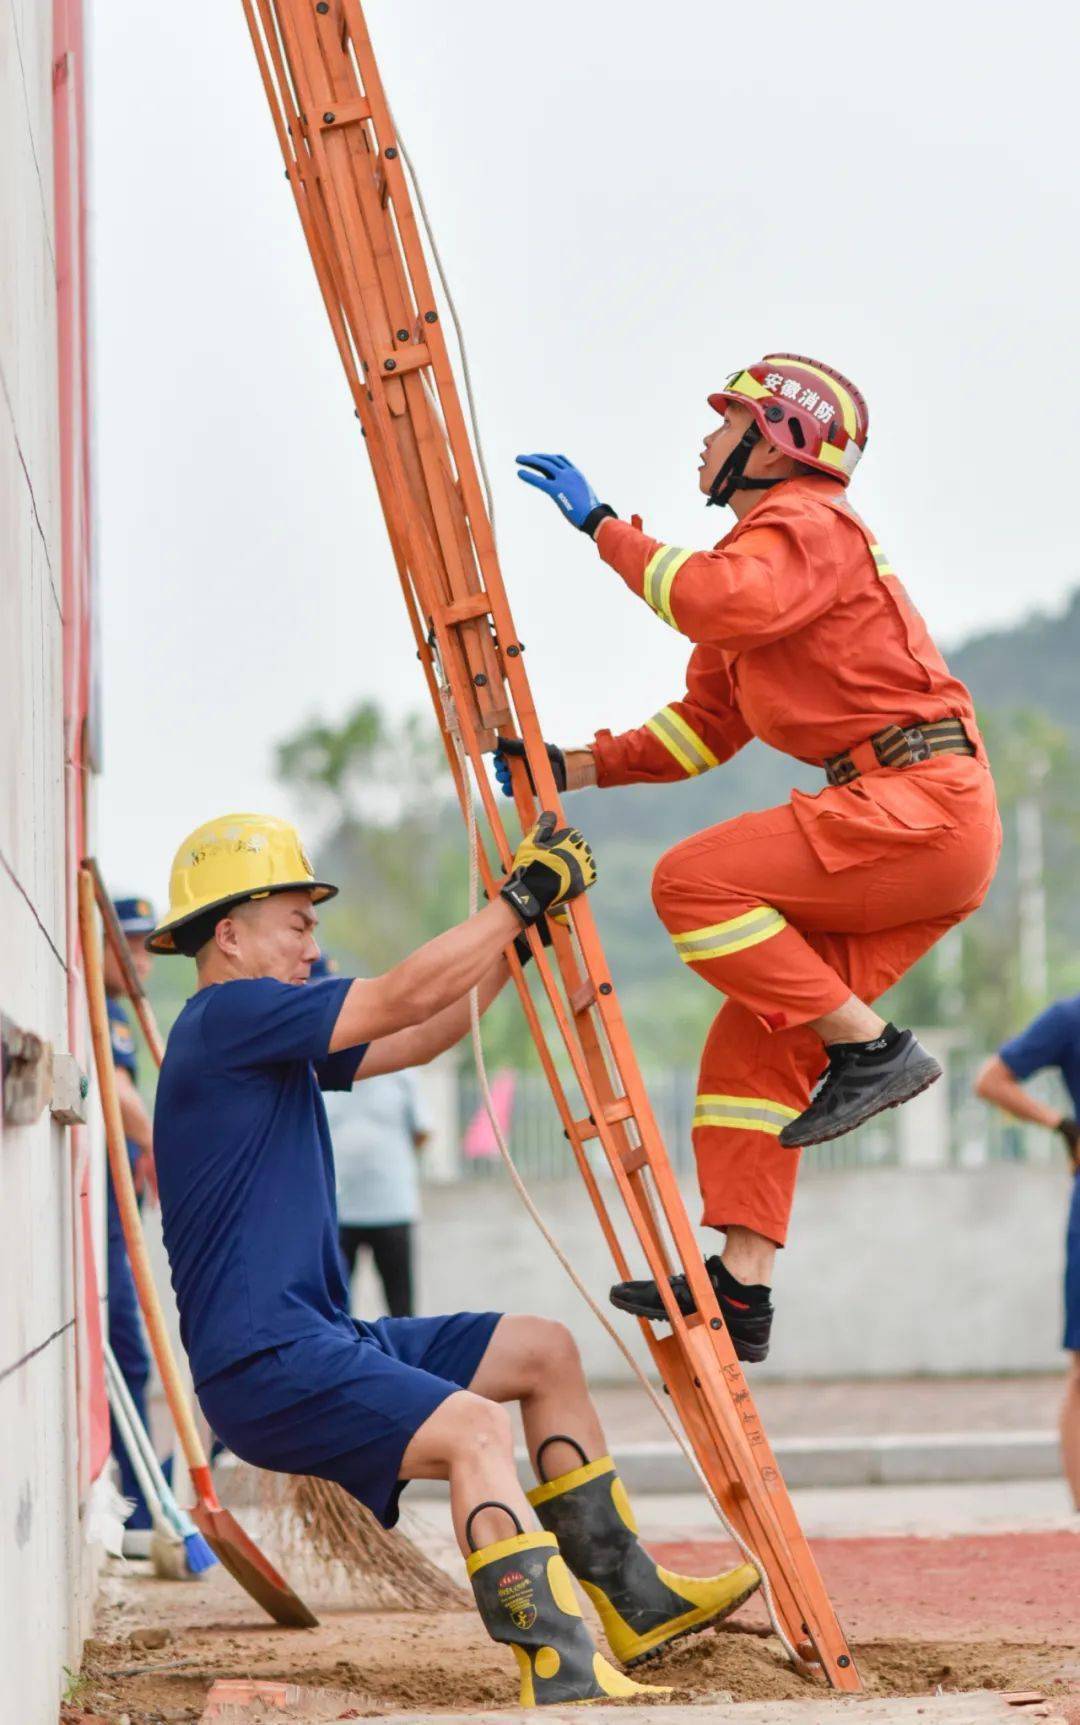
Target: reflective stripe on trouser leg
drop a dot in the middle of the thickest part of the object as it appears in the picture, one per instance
(767, 965)
(751, 1083)
(746, 1113)
(723, 939)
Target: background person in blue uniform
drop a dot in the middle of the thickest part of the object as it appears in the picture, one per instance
(1051, 1040)
(246, 1174)
(126, 1338)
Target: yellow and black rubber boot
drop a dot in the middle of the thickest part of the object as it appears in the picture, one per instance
(642, 1606)
(526, 1598)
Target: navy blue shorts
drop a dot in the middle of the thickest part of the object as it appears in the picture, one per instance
(1072, 1272)
(346, 1407)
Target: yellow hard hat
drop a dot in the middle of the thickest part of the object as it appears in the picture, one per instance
(234, 858)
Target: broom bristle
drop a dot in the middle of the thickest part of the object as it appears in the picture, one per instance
(198, 1553)
(323, 1518)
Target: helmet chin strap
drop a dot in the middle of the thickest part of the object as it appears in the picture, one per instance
(732, 476)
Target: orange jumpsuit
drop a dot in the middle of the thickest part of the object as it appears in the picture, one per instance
(804, 637)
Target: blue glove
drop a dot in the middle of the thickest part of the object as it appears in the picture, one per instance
(561, 480)
(511, 748)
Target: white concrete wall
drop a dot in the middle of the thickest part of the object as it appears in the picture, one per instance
(44, 1567)
(890, 1272)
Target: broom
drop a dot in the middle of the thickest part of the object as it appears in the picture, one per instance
(314, 1513)
(385, 1566)
(172, 1526)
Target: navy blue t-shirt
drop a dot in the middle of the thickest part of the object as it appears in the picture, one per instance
(1052, 1039)
(246, 1170)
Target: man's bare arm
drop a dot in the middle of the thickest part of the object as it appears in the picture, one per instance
(580, 769)
(133, 1112)
(427, 982)
(137, 1127)
(996, 1084)
(423, 1042)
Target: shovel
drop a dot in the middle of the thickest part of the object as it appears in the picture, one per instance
(231, 1545)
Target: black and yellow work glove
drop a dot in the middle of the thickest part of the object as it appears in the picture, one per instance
(509, 749)
(551, 866)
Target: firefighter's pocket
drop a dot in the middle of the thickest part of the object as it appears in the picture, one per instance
(848, 825)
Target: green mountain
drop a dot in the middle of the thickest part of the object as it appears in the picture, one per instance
(1033, 665)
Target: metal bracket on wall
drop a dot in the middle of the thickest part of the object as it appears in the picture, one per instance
(35, 1077)
(26, 1067)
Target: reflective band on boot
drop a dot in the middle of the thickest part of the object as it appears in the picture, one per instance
(526, 1598)
(642, 1606)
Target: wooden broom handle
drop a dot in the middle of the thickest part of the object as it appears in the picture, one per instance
(124, 1185)
(114, 935)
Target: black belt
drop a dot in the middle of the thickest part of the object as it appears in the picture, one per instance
(899, 746)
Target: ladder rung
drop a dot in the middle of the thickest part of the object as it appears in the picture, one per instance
(623, 1109)
(409, 358)
(345, 114)
(634, 1157)
(582, 998)
(463, 610)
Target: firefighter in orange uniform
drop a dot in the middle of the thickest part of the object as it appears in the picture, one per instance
(805, 914)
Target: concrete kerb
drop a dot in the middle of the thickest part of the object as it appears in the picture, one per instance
(931, 1458)
(913, 1459)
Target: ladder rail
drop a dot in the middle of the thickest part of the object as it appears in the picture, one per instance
(338, 141)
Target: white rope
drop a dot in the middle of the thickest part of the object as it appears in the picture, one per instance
(474, 1009)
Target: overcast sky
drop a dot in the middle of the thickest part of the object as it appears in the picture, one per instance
(632, 200)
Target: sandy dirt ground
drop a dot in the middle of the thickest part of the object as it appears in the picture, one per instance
(999, 1612)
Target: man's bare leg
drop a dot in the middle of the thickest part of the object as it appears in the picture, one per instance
(1070, 1429)
(469, 1442)
(852, 1022)
(749, 1257)
(536, 1362)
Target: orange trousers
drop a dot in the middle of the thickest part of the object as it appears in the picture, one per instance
(790, 912)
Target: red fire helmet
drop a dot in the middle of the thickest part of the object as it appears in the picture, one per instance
(806, 409)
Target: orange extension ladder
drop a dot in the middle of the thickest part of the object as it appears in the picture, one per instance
(344, 164)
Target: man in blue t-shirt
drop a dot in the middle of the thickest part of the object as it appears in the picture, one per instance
(126, 1338)
(283, 1374)
(1051, 1040)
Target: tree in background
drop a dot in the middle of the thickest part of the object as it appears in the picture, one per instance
(393, 840)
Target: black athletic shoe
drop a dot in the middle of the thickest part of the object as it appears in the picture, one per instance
(863, 1079)
(747, 1309)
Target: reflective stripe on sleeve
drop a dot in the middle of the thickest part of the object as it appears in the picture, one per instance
(750, 1113)
(681, 741)
(722, 939)
(660, 572)
(881, 561)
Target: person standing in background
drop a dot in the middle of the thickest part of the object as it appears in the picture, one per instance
(378, 1129)
(126, 1338)
(1051, 1040)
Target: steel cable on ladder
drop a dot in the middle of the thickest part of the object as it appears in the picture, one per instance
(474, 1000)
